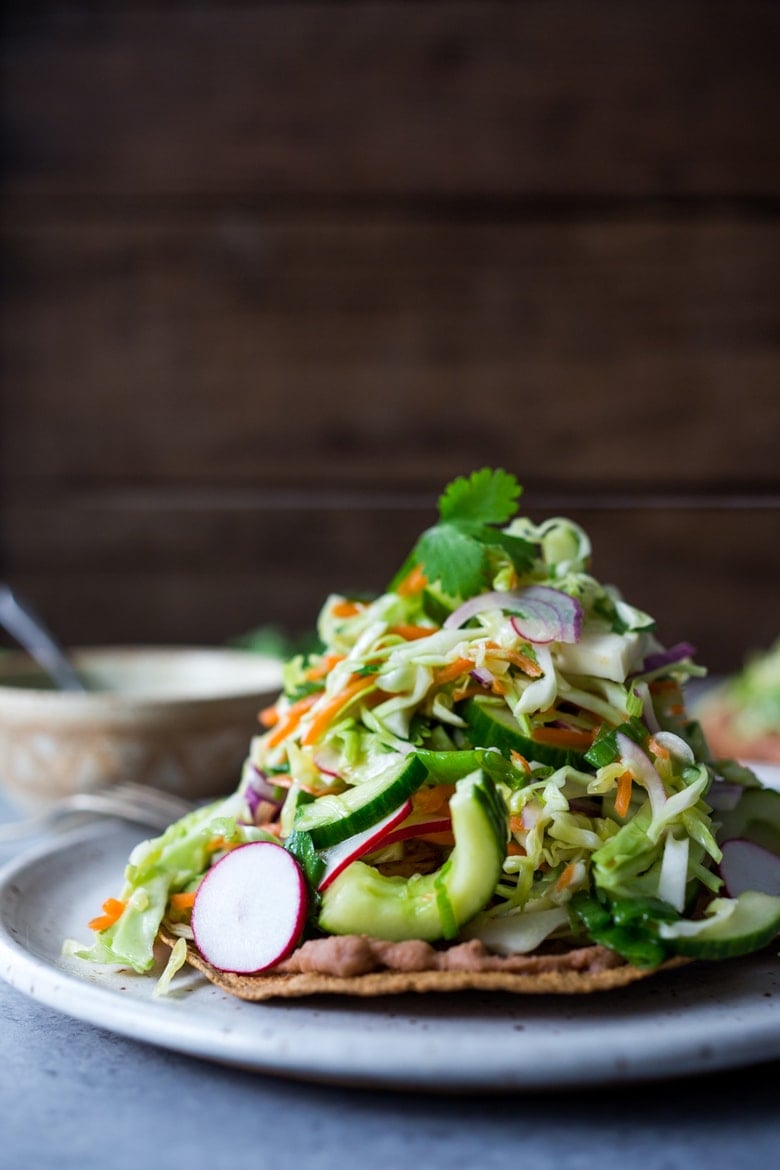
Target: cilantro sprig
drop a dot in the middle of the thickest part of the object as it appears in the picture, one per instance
(463, 551)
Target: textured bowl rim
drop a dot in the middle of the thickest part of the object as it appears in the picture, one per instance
(258, 676)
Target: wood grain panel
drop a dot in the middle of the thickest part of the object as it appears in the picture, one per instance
(243, 349)
(383, 100)
(164, 574)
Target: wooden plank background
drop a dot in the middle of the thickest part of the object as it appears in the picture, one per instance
(275, 273)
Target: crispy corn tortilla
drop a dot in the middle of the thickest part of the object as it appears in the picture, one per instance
(576, 972)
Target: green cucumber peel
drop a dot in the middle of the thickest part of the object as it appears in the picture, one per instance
(430, 906)
(449, 921)
(491, 724)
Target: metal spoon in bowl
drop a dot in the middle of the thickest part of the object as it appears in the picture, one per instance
(23, 624)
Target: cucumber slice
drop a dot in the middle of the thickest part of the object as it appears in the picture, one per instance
(492, 724)
(756, 817)
(753, 924)
(363, 901)
(331, 819)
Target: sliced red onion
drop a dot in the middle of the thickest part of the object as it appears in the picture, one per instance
(539, 613)
(667, 657)
(480, 604)
(260, 791)
(483, 676)
(642, 768)
(747, 866)
(548, 615)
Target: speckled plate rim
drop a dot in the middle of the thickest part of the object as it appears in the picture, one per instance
(695, 1020)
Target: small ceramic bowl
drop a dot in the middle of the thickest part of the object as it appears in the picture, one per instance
(176, 718)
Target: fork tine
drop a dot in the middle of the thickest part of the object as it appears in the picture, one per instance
(153, 798)
(134, 802)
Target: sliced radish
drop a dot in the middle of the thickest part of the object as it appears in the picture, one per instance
(747, 866)
(250, 908)
(339, 856)
(327, 761)
(422, 826)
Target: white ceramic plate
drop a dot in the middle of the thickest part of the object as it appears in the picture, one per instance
(696, 1019)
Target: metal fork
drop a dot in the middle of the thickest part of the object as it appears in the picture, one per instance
(137, 803)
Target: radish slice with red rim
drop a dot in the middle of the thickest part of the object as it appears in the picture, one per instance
(747, 866)
(250, 908)
(423, 827)
(327, 761)
(339, 856)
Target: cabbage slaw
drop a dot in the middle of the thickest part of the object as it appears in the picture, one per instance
(616, 844)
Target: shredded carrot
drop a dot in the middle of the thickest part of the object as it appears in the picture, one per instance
(269, 716)
(526, 664)
(325, 716)
(345, 609)
(413, 582)
(314, 673)
(113, 909)
(516, 823)
(499, 687)
(625, 784)
(567, 876)
(658, 749)
(517, 758)
(517, 658)
(515, 849)
(183, 901)
(451, 671)
(567, 737)
(290, 720)
(676, 709)
(411, 633)
(659, 685)
(432, 797)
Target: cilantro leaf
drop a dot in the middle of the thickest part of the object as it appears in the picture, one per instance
(521, 552)
(452, 558)
(486, 497)
(465, 549)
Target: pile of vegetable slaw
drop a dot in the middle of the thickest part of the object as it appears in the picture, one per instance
(498, 748)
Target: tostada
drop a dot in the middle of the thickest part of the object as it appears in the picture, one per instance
(486, 777)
